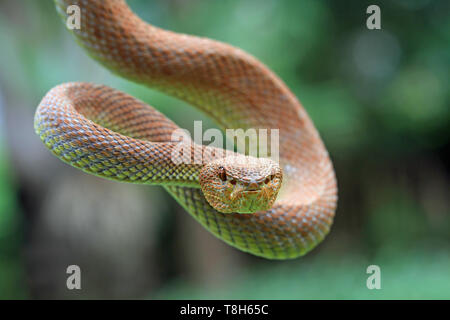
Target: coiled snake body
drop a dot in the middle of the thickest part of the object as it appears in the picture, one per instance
(111, 134)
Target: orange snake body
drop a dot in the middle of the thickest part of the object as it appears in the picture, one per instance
(111, 134)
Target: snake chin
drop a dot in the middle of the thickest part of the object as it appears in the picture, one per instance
(241, 184)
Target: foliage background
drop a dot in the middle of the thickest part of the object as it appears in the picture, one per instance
(379, 98)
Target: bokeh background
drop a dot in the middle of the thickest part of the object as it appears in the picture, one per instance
(379, 98)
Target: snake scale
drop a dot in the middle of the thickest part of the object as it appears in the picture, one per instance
(110, 134)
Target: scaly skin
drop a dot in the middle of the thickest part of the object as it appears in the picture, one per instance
(110, 134)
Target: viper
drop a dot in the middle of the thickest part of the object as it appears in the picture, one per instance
(273, 209)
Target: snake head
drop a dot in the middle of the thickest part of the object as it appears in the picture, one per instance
(241, 184)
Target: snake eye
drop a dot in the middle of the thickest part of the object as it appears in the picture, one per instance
(267, 180)
(233, 182)
(222, 174)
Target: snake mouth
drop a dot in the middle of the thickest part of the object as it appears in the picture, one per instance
(251, 192)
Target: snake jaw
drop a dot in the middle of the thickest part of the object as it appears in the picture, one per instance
(235, 195)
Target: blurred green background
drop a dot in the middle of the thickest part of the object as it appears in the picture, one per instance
(379, 98)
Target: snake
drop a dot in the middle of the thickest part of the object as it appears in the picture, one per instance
(274, 209)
